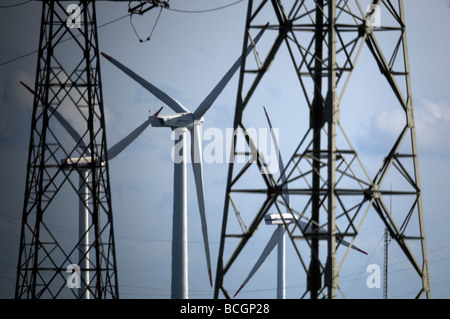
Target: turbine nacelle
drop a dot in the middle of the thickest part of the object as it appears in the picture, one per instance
(83, 162)
(279, 219)
(174, 121)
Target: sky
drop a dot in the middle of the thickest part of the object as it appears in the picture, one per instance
(186, 56)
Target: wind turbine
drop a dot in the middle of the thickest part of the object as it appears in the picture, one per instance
(82, 165)
(278, 236)
(181, 122)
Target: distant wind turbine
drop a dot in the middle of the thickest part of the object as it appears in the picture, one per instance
(278, 236)
(82, 165)
(181, 122)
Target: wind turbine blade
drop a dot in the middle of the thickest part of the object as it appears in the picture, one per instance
(307, 228)
(347, 244)
(69, 128)
(127, 140)
(209, 100)
(267, 250)
(196, 156)
(171, 102)
(280, 162)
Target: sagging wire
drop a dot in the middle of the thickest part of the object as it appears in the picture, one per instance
(151, 33)
(140, 9)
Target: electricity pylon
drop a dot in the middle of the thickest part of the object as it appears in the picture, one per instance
(67, 221)
(327, 182)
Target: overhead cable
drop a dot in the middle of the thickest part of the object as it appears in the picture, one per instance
(14, 5)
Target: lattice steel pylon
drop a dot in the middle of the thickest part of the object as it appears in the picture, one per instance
(328, 184)
(67, 239)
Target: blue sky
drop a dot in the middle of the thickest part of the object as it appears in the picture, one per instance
(186, 56)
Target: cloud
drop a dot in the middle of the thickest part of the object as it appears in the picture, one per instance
(432, 123)
(378, 134)
(433, 126)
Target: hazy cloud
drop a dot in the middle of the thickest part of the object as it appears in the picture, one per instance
(433, 125)
(432, 122)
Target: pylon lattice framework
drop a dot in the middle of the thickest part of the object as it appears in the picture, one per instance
(67, 166)
(333, 189)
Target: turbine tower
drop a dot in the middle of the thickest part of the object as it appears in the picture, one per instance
(326, 180)
(67, 166)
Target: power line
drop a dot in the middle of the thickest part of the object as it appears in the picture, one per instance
(18, 58)
(165, 5)
(15, 5)
(36, 51)
(115, 20)
(206, 10)
(153, 29)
